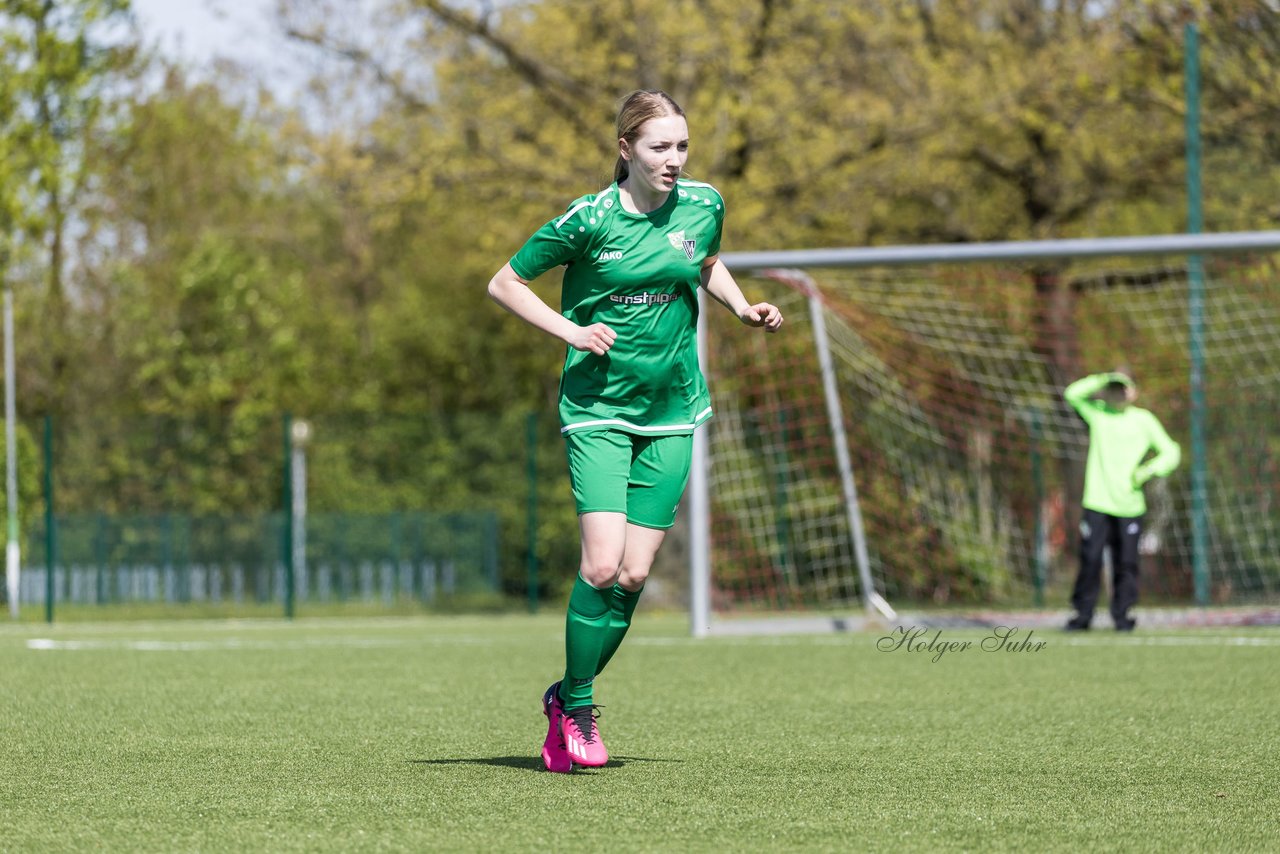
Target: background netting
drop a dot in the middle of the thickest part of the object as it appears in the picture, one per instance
(968, 463)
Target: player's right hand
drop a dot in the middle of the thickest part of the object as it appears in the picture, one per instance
(597, 338)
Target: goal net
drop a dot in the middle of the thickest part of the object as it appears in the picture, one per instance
(967, 465)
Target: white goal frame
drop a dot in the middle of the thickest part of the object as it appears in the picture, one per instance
(789, 266)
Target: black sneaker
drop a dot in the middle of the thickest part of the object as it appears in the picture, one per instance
(1126, 625)
(1075, 624)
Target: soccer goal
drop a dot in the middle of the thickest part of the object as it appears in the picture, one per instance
(904, 439)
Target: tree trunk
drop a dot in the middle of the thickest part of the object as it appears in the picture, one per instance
(1054, 335)
(1055, 339)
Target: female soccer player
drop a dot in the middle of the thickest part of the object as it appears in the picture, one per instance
(631, 392)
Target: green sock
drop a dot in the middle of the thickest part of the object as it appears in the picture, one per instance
(584, 635)
(622, 604)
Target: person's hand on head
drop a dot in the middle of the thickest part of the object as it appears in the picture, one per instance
(1121, 375)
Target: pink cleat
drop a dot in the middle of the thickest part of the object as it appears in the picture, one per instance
(554, 755)
(582, 737)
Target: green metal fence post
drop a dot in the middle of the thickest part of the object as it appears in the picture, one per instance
(286, 510)
(167, 563)
(531, 440)
(1195, 336)
(100, 558)
(50, 530)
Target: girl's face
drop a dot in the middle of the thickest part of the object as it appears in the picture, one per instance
(658, 154)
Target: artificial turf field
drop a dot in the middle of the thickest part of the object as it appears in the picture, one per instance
(419, 734)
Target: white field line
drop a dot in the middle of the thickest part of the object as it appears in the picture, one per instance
(844, 639)
(47, 644)
(1211, 640)
(219, 625)
(834, 639)
(1052, 639)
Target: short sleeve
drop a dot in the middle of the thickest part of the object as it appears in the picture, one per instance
(547, 248)
(560, 241)
(713, 247)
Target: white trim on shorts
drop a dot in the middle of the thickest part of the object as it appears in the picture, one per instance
(618, 422)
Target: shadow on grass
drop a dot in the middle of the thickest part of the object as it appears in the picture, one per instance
(530, 763)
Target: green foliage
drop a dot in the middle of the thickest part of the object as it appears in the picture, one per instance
(57, 63)
(233, 259)
(29, 475)
(200, 346)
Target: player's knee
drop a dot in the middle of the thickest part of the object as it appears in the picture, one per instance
(601, 572)
(633, 577)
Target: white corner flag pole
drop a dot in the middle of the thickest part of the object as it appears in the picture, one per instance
(12, 557)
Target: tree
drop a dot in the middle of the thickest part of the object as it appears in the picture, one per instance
(192, 312)
(62, 63)
(234, 256)
(1240, 113)
(824, 123)
(9, 160)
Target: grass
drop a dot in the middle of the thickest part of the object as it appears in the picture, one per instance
(467, 603)
(413, 734)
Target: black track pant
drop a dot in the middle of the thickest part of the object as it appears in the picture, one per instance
(1098, 531)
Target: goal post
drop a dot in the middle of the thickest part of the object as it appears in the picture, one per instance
(904, 439)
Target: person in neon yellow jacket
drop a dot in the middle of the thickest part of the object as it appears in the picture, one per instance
(1121, 436)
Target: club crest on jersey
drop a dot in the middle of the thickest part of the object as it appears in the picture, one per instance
(678, 241)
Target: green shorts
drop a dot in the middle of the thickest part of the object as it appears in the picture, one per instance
(642, 476)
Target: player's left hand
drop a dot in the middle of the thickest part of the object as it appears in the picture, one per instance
(763, 314)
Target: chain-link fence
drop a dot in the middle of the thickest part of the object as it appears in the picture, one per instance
(274, 513)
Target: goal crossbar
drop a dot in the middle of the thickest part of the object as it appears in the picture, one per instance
(1012, 250)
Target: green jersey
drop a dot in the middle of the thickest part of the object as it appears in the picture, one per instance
(639, 274)
(1118, 442)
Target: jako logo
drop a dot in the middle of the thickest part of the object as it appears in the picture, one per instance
(610, 256)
